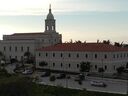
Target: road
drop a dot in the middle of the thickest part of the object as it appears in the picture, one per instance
(113, 86)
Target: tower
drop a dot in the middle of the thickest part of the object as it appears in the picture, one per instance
(50, 25)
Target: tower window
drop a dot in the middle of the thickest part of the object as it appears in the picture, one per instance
(69, 65)
(69, 55)
(61, 64)
(52, 27)
(47, 28)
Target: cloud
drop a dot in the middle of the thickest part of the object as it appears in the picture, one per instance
(37, 7)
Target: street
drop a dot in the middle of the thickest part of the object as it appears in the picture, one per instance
(113, 86)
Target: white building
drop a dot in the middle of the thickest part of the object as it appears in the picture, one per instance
(68, 56)
(15, 45)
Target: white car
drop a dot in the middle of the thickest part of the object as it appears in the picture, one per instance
(27, 72)
(98, 83)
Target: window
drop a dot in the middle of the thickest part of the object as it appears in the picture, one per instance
(4, 48)
(15, 57)
(86, 55)
(28, 49)
(21, 58)
(95, 66)
(53, 54)
(46, 54)
(53, 64)
(77, 65)
(39, 54)
(117, 56)
(47, 28)
(61, 55)
(69, 65)
(120, 55)
(10, 57)
(22, 49)
(113, 55)
(15, 49)
(10, 48)
(124, 55)
(69, 55)
(114, 67)
(77, 55)
(95, 55)
(105, 56)
(52, 27)
(61, 64)
(105, 67)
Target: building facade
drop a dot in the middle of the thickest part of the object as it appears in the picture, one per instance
(69, 56)
(15, 45)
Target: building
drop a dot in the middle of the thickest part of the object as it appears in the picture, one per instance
(15, 45)
(47, 47)
(68, 56)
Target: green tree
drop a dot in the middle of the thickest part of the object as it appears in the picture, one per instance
(85, 66)
(43, 63)
(29, 58)
(120, 69)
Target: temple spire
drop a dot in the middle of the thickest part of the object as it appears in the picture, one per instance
(49, 8)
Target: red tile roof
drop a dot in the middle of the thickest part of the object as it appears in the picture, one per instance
(26, 34)
(93, 47)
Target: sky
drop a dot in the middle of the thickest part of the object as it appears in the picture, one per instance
(85, 20)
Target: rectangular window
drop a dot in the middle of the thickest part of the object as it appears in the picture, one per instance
(95, 56)
(10, 48)
(69, 55)
(105, 56)
(46, 54)
(15, 49)
(22, 49)
(86, 55)
(39, 54)
(28, 49)
(4, 48)
(53, 54)
(77, 55)
(61, 55)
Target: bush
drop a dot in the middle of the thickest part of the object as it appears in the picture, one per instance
(52, 78)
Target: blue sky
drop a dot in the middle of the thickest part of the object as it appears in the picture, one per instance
(85, 20)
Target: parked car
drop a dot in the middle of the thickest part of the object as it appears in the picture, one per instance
(61, 76)
(27, 72)
(98, 83)
(46, 74)
(19, 70)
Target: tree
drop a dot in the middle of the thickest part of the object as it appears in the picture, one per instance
(85, 66)
(120, 69)
(28, 57)
(43, 63)
(101, 70)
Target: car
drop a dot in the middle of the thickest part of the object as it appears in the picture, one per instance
(98, 83)
(27, 72)
(61, 76)
(77, 78)
(19, 70)
(46, 74)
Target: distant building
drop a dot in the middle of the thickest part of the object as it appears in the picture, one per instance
(15, 45)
